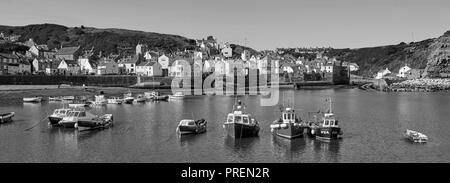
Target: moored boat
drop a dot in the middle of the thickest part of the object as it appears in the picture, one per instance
(177, 95)
(115, 100)
(240, 124)
(289, 125)
(55, 98)
(58, 115)
(6, 117)
(68, 97)
(94, 122)
(190, 126)
(128, 98)
(150, 95)
(158, 96)
(32, 99)
(82, 119)
(415, 136)
(140, 98)
(326, 127)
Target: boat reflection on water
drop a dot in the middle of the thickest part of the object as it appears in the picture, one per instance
(327, 150)
(240, 144)
(287, 149)
(189, 139)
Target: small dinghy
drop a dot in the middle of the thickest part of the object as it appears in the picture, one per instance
(177, 96)
(415, 136)
(58, 115)
(6, 117)
(33, 99)
(128, 98)
(68, 98)
(158, 96)
(140, 98)
(189, 126)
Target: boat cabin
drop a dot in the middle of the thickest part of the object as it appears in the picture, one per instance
(288, 116)
(61, 111)
(187, 122)
(329, 121)
(77, 114)
(239, 117)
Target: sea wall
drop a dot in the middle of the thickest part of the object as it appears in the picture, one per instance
(71, 80)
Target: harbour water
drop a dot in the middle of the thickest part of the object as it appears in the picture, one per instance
(373, 124)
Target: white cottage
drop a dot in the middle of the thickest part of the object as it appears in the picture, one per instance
(402, 72)
(382, 73)
(149, 69)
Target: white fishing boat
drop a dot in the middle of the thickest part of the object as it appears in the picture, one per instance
(128, 98)
(33, 99)
(115, 100)
(140, 98)
(177, 96)
(415, 136)
(240, 124)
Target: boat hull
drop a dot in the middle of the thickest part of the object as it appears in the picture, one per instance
(5, 118)
(327, 133)
(191, 129)
(68, 124)
(239, 130)
(54, 120)
(32, 100)
(129, 100)
(291, 131)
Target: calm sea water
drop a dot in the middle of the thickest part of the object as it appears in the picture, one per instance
(373, 125)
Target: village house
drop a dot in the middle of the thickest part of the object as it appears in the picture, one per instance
(129, 64)
(402, 72)
(245, 55)
(107, 67)
(68, 53)
(87, 66)
(177, 68)
(227, 51)
(6, 59)
(414, 73)
(328, 67)
(382, 73)
(51, 67)
(41, 51)
(149, 68)
(69, 68)
(164, 60)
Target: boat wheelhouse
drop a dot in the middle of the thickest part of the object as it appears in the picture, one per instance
(240, 124)
(58, 115)
(288, 125)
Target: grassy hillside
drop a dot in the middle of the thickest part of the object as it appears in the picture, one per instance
(105, 40)
(372, 60)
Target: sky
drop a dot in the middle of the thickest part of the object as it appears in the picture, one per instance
(259, 24)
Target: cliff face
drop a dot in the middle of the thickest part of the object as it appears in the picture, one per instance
(439, 58)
